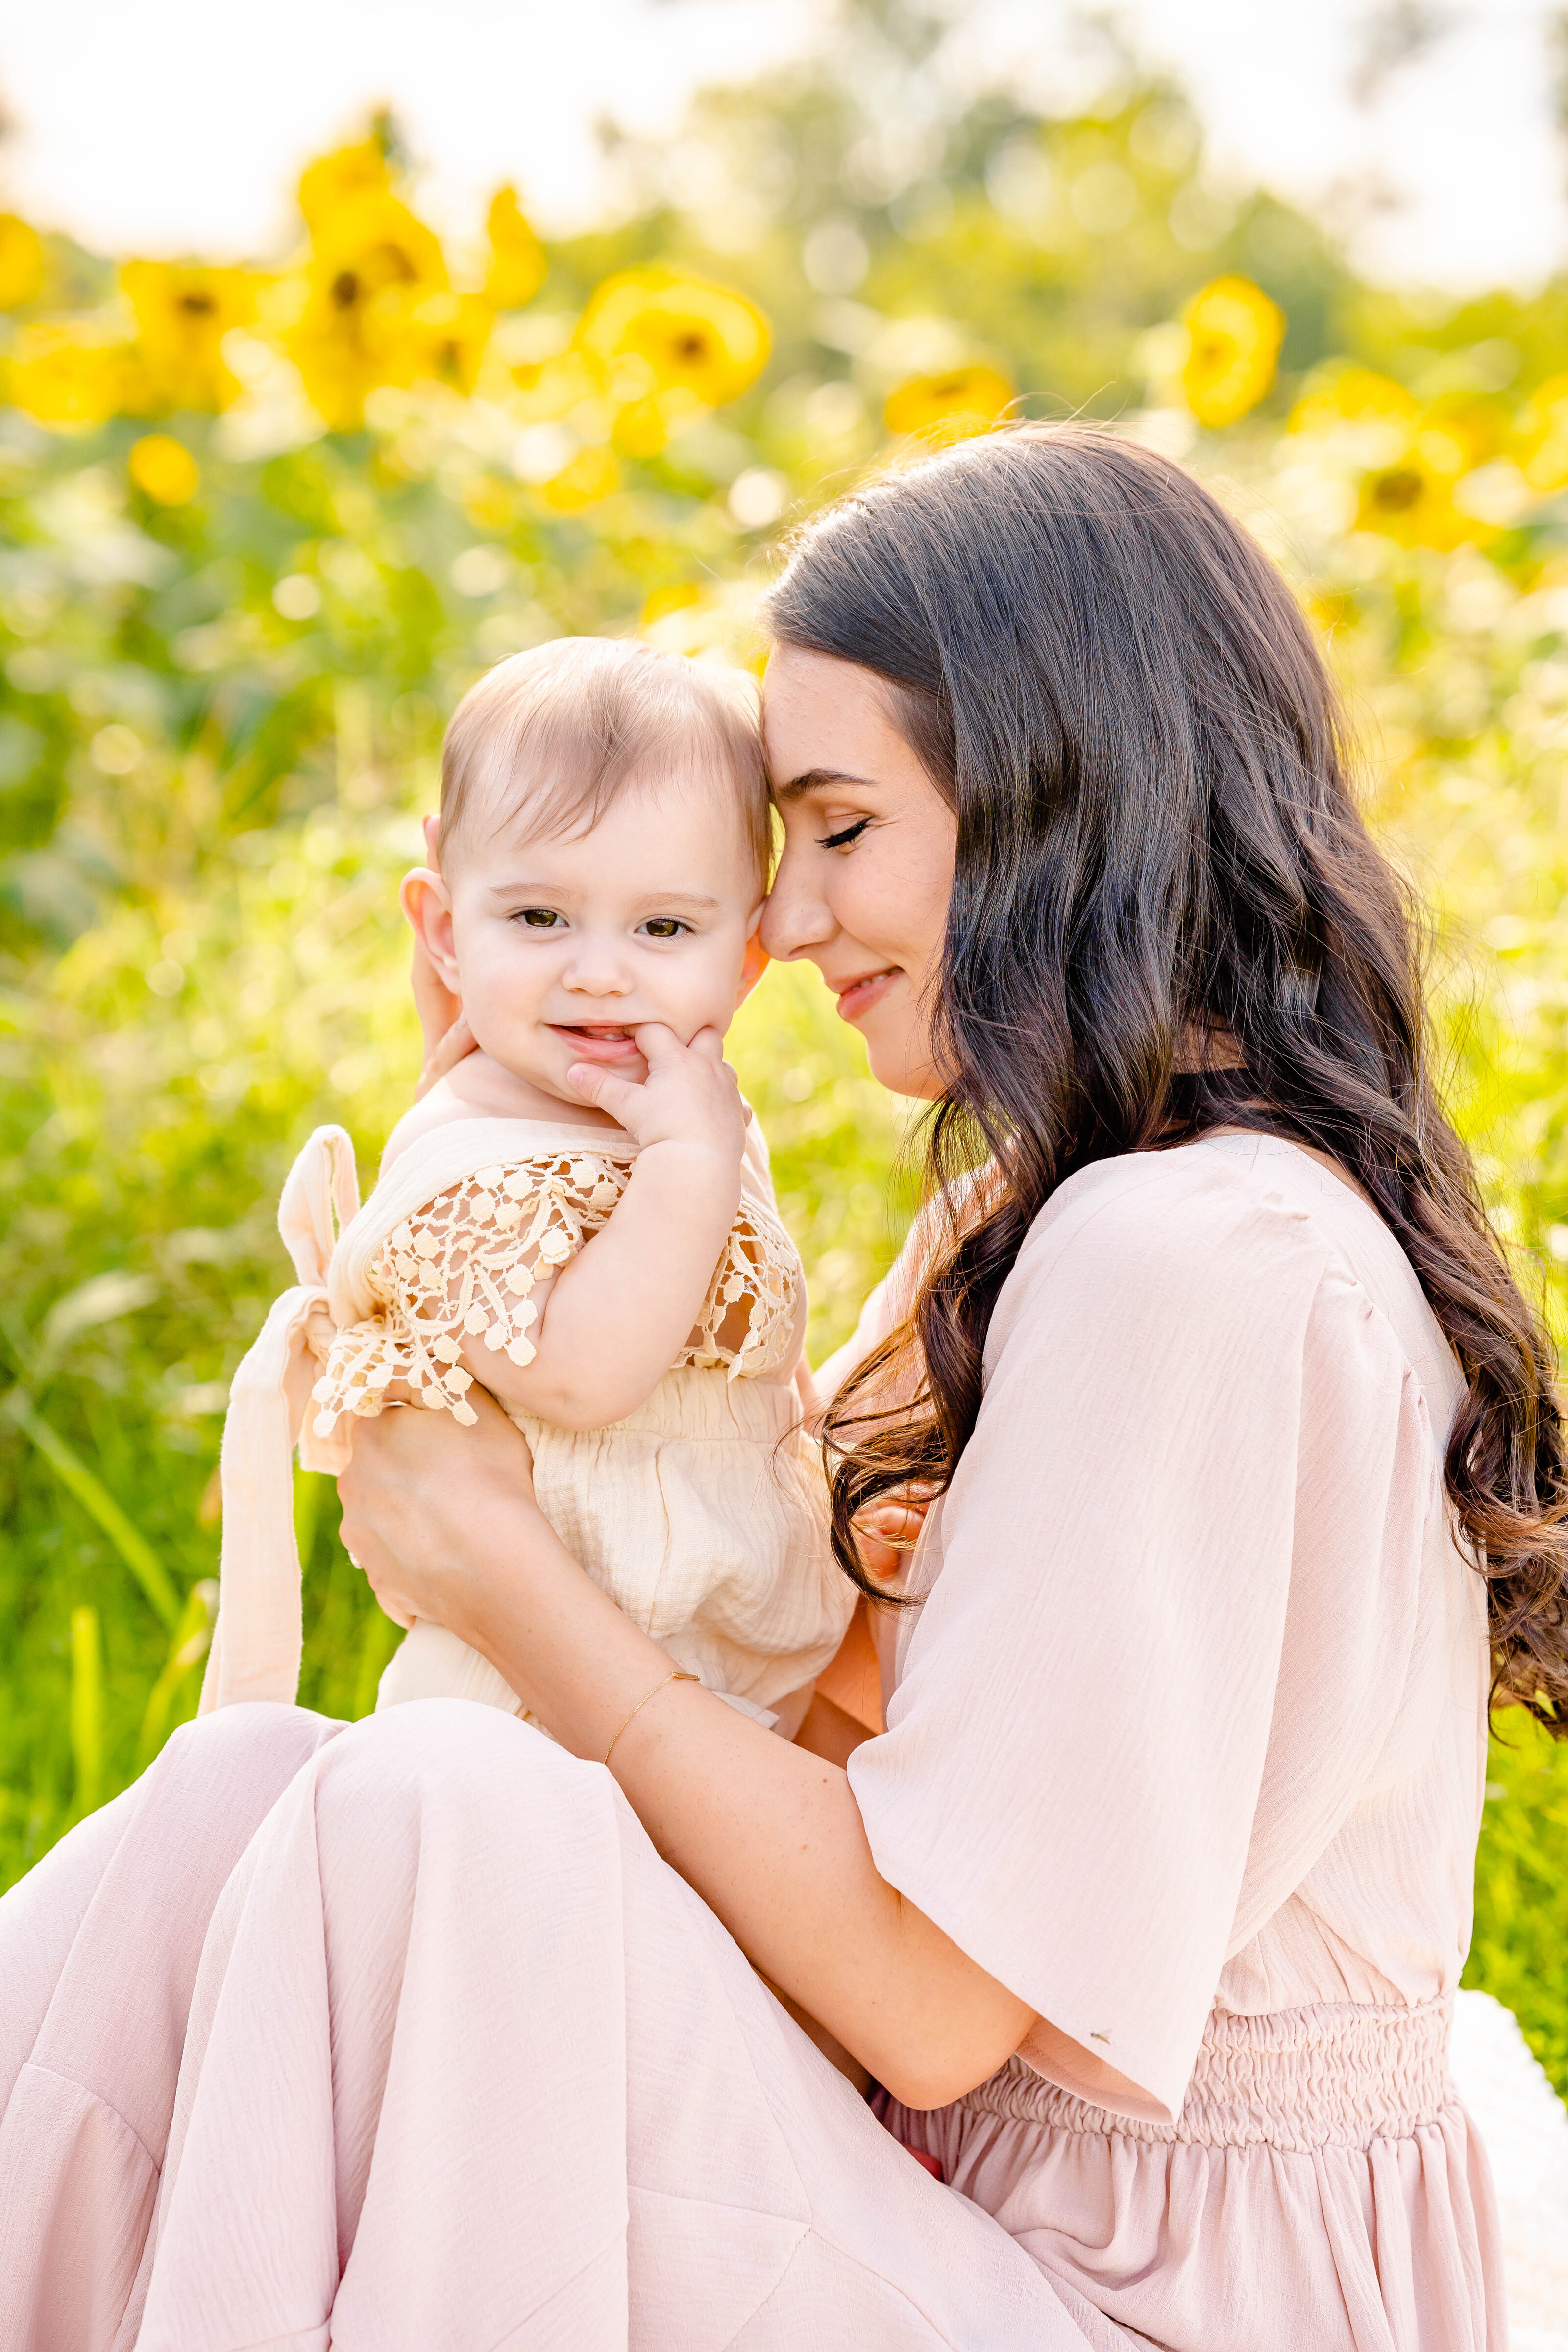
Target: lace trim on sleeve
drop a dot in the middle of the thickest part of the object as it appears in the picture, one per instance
(461, 1269)
(748, 1317)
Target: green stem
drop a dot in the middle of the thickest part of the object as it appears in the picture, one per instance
(86, 1710)
(100, 1504)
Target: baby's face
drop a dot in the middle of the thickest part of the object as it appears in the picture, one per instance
(562, 944)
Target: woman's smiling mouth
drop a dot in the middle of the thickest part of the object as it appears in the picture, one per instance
(857, 996)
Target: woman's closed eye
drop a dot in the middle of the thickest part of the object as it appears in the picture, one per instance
(850, 833)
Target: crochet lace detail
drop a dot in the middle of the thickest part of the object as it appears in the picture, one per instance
(461, 1270)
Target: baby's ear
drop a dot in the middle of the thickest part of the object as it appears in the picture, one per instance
(429, 911)
(757, 960)
(432, 830)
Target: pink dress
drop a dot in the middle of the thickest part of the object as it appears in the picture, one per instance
(403, 2036)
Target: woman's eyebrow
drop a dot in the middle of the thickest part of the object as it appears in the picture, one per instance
(814, 778)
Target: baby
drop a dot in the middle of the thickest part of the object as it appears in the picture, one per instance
(615, 1274)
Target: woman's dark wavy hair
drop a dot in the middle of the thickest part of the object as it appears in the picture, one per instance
(1167, 914)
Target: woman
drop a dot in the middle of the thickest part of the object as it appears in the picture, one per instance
(1146, 1911)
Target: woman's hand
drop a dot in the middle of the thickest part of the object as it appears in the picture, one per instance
(416, 1489)
(448, 1036)
(444, 1522)
(448, 1039)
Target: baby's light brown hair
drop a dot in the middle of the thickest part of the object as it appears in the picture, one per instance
(563, 729)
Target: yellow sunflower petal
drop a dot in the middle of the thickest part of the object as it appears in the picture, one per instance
(1351, 395)
(364, 321)
(66, 376)
(182, 311)
(164, 469)
(1542, 439)
(695, 335)
(592, 475)
(517, 258)
(21, 262)
(949, 408)
(334, 179)
(1235, 333)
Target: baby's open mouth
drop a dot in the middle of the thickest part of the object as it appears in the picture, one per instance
(598, 1040)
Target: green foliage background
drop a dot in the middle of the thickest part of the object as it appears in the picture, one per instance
(205, 805)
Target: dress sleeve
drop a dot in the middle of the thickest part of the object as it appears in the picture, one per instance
(460, 1271)
(1081, 1744)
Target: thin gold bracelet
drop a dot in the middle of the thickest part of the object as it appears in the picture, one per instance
(679, 1676)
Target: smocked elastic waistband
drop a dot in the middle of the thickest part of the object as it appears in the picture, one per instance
(1295, 2079)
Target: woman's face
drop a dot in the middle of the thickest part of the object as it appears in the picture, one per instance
(867, 871)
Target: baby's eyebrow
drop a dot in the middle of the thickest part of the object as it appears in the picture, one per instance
(647, 898)
(814, 780)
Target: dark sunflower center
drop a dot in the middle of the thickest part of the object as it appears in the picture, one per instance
(1398, 491)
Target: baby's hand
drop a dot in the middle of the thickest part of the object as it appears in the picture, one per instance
(689, 1095)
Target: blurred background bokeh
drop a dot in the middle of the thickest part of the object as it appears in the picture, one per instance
(460, 356)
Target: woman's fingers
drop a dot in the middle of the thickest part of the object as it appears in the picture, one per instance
(432, 1001)
(458, 1044)
(416, 1487)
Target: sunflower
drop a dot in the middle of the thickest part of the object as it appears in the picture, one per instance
(163, 469)
(341, 177)
(1235, 333)
(1353, 395)
(1543, 436)
(1410, 499)
(592, 475)
(374, 270)
(697, 337)
(182, 311)
(66, 375)
(517, 258)
(21, 262)
(949, 408)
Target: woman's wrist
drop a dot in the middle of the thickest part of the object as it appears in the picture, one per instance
(573, 1657)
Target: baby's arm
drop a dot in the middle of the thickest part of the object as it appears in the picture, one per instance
(613, 1320)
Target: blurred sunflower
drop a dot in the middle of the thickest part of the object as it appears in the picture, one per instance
(164, 470)
(1543, 436)
(373, 269)
(21, 262)
(697, 337)
(1351, 395)
(182, 311)
(69, 377)
(517, 258)
(1411, 499)
(592, 475)
(949, 408)
(1235, 332)
(335, 180)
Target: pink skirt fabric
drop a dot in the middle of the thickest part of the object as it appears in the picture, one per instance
(442, 2058)
(401, 2038)
(1323, 2188)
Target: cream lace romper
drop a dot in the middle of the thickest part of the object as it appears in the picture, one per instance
(702, 1514)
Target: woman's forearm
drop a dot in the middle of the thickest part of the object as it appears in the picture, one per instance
(769, 1835)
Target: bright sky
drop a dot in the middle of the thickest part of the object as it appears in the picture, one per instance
(165, 126)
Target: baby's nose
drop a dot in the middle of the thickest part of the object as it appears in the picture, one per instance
(598, 974)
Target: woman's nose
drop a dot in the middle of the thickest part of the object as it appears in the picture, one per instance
(796, 917)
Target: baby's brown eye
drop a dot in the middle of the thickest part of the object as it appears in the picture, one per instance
(541, 919)
(663, 927)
